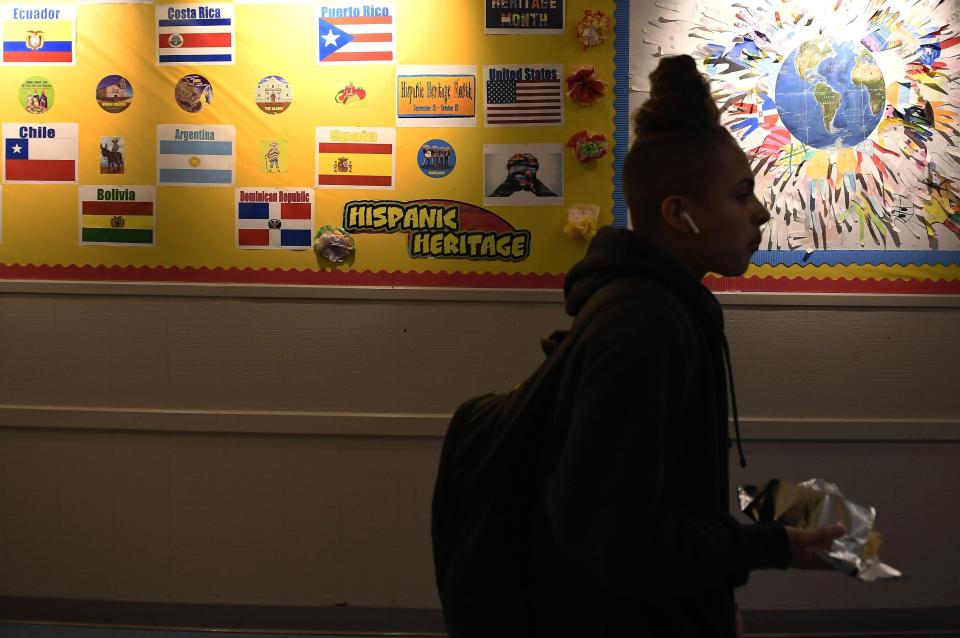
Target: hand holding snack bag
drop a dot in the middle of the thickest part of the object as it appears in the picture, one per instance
(822, 525)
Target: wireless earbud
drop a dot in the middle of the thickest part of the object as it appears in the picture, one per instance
(693, 227)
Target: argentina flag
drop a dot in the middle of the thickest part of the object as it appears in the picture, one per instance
(195, 155)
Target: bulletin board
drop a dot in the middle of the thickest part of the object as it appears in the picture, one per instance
(848, 113)
(347, 142)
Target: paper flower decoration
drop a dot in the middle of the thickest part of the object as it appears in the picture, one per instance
(584, 87)
(333, 243)
(588, 146)
(593, 28)
(582, 221)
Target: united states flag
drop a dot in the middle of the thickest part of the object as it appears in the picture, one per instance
(524, 103)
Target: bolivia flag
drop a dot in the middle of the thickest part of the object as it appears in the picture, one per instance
(355, 157)
(51, 158)
(39, 41)
(117, 221)
(274, 224)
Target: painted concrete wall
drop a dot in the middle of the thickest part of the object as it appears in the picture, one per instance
(279, 447)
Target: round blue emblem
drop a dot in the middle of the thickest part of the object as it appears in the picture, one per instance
(436, 158)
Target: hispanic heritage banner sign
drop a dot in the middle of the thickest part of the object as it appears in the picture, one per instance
(38, 33)
(524, 16)
(40, 154)
(195, 155)
(351, 32)
(195, 34)
(118, 215)
(274, 218)
(350, 157)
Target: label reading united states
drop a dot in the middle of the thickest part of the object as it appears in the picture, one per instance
(118, 215)
(518, 95)
(354, 31)
(35, 154)
(275, 218)
(38, 34)
(195, 155)
(195, 34)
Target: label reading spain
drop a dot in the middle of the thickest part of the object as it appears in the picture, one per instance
(436, 96)
(441, 229)
(118, 215)
(524, 16)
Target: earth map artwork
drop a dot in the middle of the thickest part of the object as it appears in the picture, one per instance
(847, 110)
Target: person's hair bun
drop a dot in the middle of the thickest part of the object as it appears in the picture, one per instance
(679, 102)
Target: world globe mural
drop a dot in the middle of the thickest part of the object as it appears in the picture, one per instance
(830, 94)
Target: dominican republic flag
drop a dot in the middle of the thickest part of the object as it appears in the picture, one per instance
(38, 34)
(195, 34)
(274, 218)
(195, 155)
(40, 154)
(351, 31)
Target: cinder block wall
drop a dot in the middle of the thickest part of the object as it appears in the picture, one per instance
(239, 445)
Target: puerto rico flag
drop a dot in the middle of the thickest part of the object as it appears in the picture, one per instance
(353, 31)
(40, 153)
(274, 218)
(38, 34)
(195, 34)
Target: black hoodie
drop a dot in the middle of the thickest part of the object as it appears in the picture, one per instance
(642, 541)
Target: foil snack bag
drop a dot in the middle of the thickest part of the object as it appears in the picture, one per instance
(815, 503)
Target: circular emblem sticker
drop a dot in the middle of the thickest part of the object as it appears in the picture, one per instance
(36, 95)
(274, 94)
(114, 94)
(193, 92)
(436, 158)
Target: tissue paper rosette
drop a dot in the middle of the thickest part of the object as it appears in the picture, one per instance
(593, 28)
(816, 503)
(582, 221)
(334, 244)
(584, 87)
(588, 146)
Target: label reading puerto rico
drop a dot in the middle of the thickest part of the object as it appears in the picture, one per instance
(352, 32)
(436, 158)
(195, 34)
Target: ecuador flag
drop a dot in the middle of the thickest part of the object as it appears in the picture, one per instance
(349, 157)
(117, 215)
(39, 34)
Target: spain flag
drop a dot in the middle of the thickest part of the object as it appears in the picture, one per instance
(38, 34)
(349, 157)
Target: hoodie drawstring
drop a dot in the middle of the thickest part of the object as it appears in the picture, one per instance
(733, 399)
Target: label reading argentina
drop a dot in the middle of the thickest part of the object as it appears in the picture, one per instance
(39, 34)
(195, 155)
(118, 215)
(35, 154)
(195, 34)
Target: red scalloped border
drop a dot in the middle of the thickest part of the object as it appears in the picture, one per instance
(446, 280)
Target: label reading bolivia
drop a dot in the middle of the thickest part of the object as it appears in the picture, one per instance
(118, 215)
(39, 34)
(192, 155)
(349, 157)
(194, 34)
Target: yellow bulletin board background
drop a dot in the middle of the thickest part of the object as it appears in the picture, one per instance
(195, 225)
